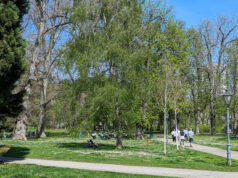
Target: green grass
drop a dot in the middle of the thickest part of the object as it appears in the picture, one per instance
(59, 146)
(218, 141)
(29, 171)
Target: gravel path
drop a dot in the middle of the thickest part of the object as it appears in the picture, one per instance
(206, 149)
(157, 171)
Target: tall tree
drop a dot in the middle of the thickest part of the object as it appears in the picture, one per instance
(232, 74)
(46, 19)
(104, 39)
(196, 76)
(12, 52)
(216, 37)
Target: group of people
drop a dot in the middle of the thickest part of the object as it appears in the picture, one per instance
(182, 136)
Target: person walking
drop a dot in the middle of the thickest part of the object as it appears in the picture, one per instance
(173, 133)
(191, 134)
(182, 138)
(186, 134)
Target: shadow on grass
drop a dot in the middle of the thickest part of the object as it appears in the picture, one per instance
(80, 146)
(19, 152)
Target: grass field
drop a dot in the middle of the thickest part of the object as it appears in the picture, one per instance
(30, 171)
(59, 146)
(219, 141)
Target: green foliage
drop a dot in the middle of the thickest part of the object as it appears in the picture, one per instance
(204, 128)
(12, 51)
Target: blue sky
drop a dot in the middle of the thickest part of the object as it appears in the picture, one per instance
(194, 11)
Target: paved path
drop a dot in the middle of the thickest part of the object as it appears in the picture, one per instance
(206, 149)
(157, 171)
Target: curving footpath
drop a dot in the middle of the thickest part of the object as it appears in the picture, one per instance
(156, 171)
(206, 149)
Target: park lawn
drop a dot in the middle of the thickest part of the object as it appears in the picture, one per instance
(59, 146)
(218, 141)
(29, 171)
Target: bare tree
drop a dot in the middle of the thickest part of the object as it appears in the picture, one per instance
(56, 23)
(216, 37)
(43, 21)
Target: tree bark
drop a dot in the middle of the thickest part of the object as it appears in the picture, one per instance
(140, 127)
(172, 124)
(213, 97)
(197, 122)
(41, 122)
(21, 127)
(213, 122)
(187, 123)
(139, 132)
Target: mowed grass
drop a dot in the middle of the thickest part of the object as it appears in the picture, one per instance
(29, 171)
(218, 141)
(59, 146)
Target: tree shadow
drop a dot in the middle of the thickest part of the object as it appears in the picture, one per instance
(83, 146)
(18, 152)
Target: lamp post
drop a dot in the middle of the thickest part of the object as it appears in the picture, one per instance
(227, 99)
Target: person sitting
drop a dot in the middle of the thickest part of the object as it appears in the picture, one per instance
(91, 144)
(94, 135)
(101, 135)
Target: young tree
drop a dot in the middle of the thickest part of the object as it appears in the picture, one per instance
(12, 52)
(171, 46)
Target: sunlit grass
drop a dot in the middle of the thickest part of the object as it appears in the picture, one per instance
(59, 146)
(30, 171)
(219, 141)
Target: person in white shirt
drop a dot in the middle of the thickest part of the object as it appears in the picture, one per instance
(191, 134)
(173, 133)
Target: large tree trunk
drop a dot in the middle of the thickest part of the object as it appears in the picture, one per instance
(140, 127)
(235, 122)
(172, 124)
(187, 122)
(119, 141)
(213, 122)
(158, 126)
(41, 122)
(139, 132)
(119, 129)
(21, 127)
(197, 122)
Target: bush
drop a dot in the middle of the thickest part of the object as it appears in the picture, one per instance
(204, 128)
